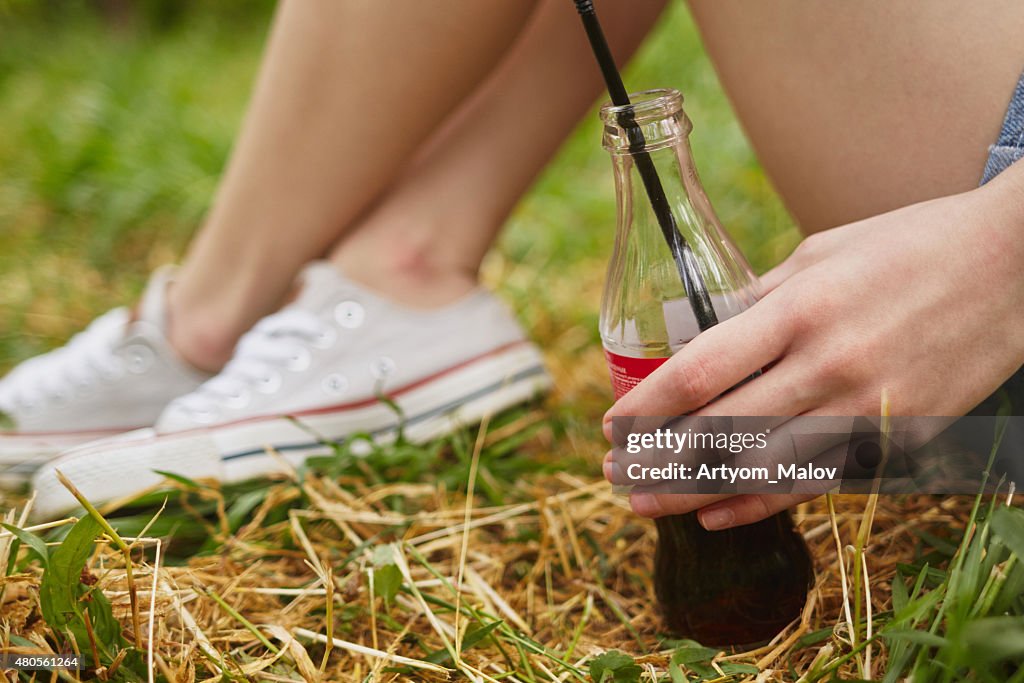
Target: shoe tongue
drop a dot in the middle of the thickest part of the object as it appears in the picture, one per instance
(152, 307)
(323, 286)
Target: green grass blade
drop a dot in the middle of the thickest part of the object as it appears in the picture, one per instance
(31, 541)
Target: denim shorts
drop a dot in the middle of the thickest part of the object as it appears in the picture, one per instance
(1009, 147)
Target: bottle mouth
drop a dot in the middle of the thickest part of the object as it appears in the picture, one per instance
(657, 113)
(645, 105)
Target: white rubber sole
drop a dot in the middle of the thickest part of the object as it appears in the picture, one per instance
(21, 455)
(117, 468)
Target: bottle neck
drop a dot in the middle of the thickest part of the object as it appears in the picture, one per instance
(655, 120)
(660, 113)
(665, 286)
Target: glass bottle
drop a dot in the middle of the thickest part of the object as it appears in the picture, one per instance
(724, 588)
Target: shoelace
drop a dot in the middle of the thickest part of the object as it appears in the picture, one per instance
(86, 359)
(278, 342)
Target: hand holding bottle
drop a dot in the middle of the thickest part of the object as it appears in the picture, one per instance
(923, 302)
(673, 273)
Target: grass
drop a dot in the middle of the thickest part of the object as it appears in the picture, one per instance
(114, 134)
(544, 579)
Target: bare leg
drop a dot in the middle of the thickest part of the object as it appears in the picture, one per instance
(859, 108)
(347, 92)
(423, 244)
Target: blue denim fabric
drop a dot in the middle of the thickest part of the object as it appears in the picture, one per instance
(1008, 149)
(1010, 145)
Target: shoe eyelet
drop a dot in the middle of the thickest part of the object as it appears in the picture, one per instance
(137, 359)
(59, 398)
(350, 314)
(26, 406)
(335, 384)
(269, 384)
(300, 361)
(325, 339)
(237, 401)
(382, 367)
(204, 416)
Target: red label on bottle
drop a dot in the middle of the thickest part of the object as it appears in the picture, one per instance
(627, 372)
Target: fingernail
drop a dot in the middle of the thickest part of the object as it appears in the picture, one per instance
(606, 429)
(645, 504)
(716, 519)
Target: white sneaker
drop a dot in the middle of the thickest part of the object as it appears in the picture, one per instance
(315, 372)
(118, 374)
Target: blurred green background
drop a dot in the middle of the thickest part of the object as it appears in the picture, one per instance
(116, 117)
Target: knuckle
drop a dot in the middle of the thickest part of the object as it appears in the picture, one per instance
(810, 307)
(789, 312)
(693, 380)
(811, 248)
(842, 366)
(832, 367)
(758, 509)
(808, 390)
(795, 315)
(805, 250)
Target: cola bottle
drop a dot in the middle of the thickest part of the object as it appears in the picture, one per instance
(674, 272)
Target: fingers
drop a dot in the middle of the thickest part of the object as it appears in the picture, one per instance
(812, 250)
(779, 274)
(717, 512)
(740, 510)
(709, 366)
(713, 362)
(784, 389)
(653, 505)
(794, 443)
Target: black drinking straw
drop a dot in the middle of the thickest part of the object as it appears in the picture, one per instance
(686, 263)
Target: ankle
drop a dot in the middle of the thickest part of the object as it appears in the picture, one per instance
(413, 282)
(200, 338)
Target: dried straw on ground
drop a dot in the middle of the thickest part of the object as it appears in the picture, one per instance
(567, 570)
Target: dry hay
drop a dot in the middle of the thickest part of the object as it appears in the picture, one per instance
(568, 570)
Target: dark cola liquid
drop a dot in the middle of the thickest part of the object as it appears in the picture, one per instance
(737, 587)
